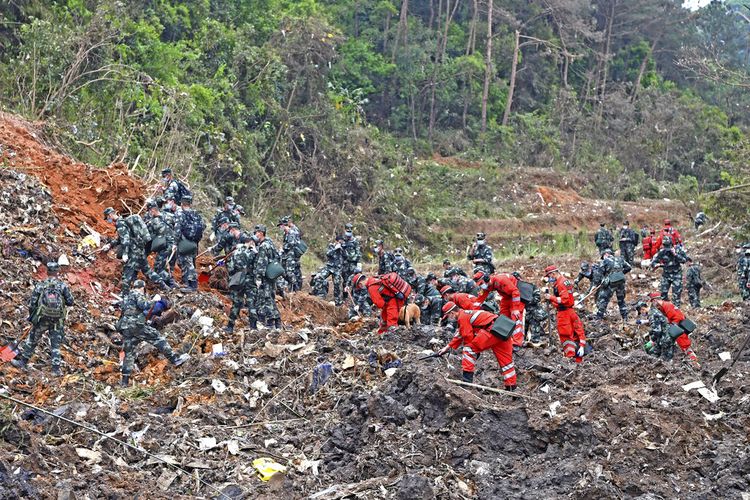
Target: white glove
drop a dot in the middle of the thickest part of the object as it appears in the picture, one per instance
(579, 352)
(106, 247)
(257, 283)
(157, 297)
(125, 258)
(212, 237)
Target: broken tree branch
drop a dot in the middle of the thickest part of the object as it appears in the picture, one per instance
(492, 389)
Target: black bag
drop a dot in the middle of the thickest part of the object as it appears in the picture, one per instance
(186, 247)
(503, 327)
(300, 249)
(687, 325)
(675, 331)
(194, 226)
(616, 278)
(490, 306)
(527, 291)
(236, 281)
(158, 244)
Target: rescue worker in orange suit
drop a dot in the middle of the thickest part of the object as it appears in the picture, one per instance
(463, 300)
(474, 333)
(649, 243)
(506, 286)
(670, 231)
(383, 296)
(674, 316)
(569, 326)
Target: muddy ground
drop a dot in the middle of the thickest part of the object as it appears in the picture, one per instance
(385, 424)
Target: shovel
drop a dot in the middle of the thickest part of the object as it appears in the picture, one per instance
(10, 351)
(430, 356)
(725, 369)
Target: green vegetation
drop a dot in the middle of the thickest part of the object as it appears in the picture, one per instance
(319, 107)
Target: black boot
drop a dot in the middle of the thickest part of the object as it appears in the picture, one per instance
(125, 380)
(468, 377)
(253, 323)
(278, 324)
(510, 388)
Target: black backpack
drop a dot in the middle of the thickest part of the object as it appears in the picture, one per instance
(182, 190)
(193, 226)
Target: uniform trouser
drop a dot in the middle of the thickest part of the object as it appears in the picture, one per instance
(535, 316)
(663, 345)
(293, 273)
(130, 270)
(389, 314)
(570, 330)
(266, 301)
(672, 279)
(186, 263)
(606, 295)
(56, 335)
(161, 266)
(349, 270)
(505, 310)
(245, 297)
(694, 295)
(503, 350)
(134, 336)
(338, 297)
(628, 252)
(320, 288)
(744, 290)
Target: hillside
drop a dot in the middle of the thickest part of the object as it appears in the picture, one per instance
(406, 432)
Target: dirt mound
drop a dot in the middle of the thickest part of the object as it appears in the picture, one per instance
(80, 192)
(552, 196)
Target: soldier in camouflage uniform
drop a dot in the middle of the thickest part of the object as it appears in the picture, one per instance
(226, 213)
(266, 300)
(603, 238)
(400, 263)
(352, 254)
(230, 239)
(133, 250)
(662, 343)
(671, 259)
(480, 255)
(173, 188)
(185, 221)
(743, 274)
(432, 302)
(612, 264)
(449, 270)
(47, 310)
(536, 316)
(385, 259)
(700, 219)
(243, 261)
(333, 268)
(159, 226)
(628, 242)
(593, 273)
(319, 283)
(694, 282)
(290, 254)
(134, 329)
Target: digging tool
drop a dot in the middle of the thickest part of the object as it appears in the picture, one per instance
(723, 371)
(431, 356)
(10, 351)
(580, 301)
(204, 252)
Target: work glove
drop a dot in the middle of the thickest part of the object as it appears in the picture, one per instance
(212, 237)
(125, 258)
(580, 351)
(106, 247)
(257, 283)
(220, 263)
(443, 350)
(157, 297)
(400, 296)
(641, 322)
(516, 316)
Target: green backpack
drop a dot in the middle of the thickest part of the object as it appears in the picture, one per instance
(138, 230)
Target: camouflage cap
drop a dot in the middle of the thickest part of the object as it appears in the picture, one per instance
(139, 284)
(151, 204)
(52, 267)
(283, 221)
(481, 236)
(228, 199)
(239, 209)
(378, 242)
(107, 211)
(234, 225)
(187, 199)
(430, 277)
(166, 171)
(223, 220)
(585, 266)
(348, 226)
(260, 228)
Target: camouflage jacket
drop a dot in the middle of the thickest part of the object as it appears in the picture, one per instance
(243, 260)
(401, 265)
(182, 221)
(628, 237)
(62, 289)
(158, 226)
(352, 252)
(291, 240)
(221, 213)
(134, 307)
(124, 238)
(334, 258)
(657, 322)
(614, 263)
(743, 267)
(670, 258)
(595, 276)
(693, 276)
(482, 252)
(267, 253)
(227, 243)
(603, 238)
(385, 263)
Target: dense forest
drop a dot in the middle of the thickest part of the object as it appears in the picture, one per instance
(315, 106)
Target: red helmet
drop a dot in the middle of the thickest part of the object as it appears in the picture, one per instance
(446, 289)
(654, 295)
(549, 270)
(481, 276)
(448, 308)
(667, 222)
(357, 278)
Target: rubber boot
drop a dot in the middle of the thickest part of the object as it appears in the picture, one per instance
(278, 324)
(125, 380)
(510, 388)
(468, 377)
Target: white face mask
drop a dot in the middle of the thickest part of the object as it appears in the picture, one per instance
(484, 286)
